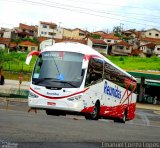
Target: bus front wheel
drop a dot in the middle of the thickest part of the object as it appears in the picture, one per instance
(95, 113)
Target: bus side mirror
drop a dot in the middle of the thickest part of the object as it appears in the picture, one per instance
(30, 55)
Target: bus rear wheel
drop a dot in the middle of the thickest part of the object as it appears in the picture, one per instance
(123, 119)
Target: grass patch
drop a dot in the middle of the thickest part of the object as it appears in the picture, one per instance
(136, 63)
(15, 62)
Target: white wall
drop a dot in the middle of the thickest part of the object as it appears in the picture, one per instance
(153, 34)
(89, 43)
(7, 34)
(59, 33)
(2, 46)
(46, 43)
(157, 50)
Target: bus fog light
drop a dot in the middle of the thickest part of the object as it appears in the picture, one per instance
(32, 95)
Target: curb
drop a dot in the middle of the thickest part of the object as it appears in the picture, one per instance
(13, 100)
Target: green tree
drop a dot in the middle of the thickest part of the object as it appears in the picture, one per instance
(95, 36)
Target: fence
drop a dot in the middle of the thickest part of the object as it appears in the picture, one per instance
(17, 67)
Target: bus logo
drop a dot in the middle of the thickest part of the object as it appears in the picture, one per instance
(109, 90)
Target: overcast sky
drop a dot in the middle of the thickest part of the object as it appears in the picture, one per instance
(91, 15)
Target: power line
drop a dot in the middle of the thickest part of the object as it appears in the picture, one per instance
(99, 11)
(73, 9)
(113, 5)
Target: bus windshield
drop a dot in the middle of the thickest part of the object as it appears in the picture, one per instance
(58, 69)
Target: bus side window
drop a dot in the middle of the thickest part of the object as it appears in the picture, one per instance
(95, 71)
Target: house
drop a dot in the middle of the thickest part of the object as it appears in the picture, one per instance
(146, 40)
(6, 33)
(50, 30)
(151, 49)
(151, 33)
(121, 48)
(148, 48)
(98, 44)
(13, 46)
(157, 49)
(75, 33)
(99, 32)
(27, 46)
(4, 42)
(110, 39)
(32, 30)
(132, 37)
(23, 31)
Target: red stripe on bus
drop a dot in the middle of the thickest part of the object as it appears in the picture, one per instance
(49, 97)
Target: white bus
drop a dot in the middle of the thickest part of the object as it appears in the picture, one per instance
(72, 78)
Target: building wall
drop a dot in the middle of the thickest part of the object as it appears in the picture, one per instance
(73, 34)
(124, 49)
(45, 31)
(29, 48)
(46, 43)
(7, 34)
(152, 34)
(59, 33)
(2, 46)
(89, 43)
(157, 50)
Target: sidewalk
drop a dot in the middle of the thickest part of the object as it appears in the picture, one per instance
(13, 84)
(148, 106)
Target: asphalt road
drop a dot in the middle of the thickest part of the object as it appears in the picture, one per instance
(18, 128)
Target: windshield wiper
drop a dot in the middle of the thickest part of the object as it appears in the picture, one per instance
(65, 82)
(43, 79)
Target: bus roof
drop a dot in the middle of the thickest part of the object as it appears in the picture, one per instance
(83, 49)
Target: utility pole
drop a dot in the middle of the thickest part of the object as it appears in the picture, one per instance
(52, 35)
(121, 28)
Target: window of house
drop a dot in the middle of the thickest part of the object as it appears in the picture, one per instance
(32, 48)
(120, 47)
(81, 34)
(109, 41)
(44, 26)
(156, 34)
(150, 33)
(158, 49)
(41, 32)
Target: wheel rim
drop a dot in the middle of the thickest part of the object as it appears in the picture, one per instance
(124, 117)
(95, 111)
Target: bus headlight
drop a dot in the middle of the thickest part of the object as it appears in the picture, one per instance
(32, 95)
(75, 98)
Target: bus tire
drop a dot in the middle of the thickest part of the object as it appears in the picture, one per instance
(95, 114)
(123, 119)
